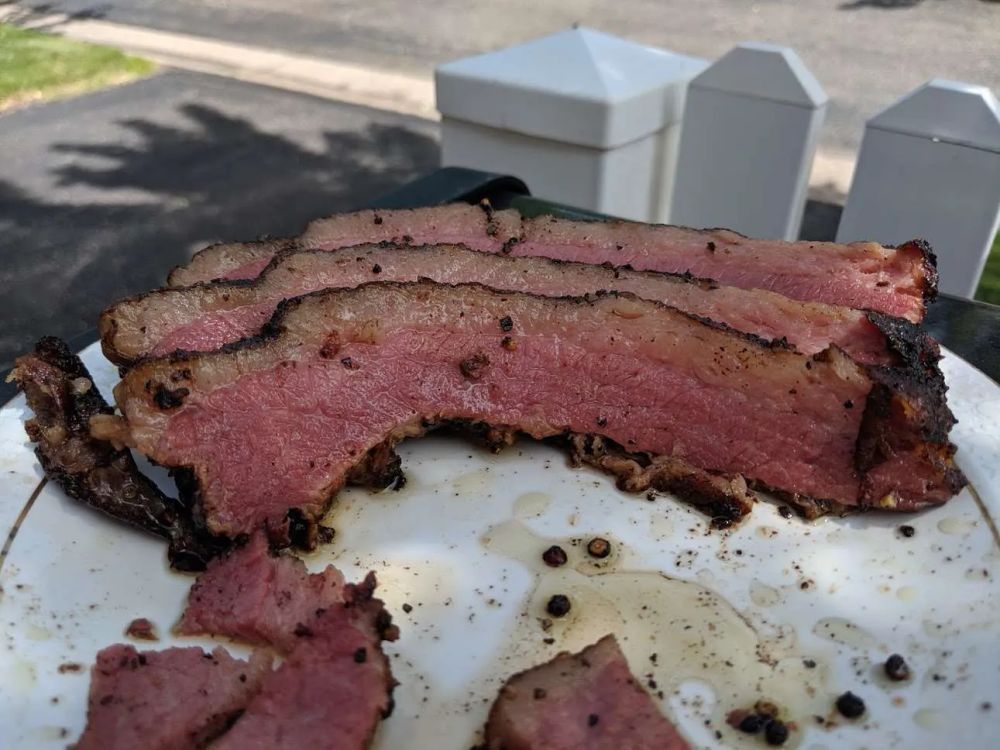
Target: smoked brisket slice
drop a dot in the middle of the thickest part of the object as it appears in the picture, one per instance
(863, 275)
(335, 683)
(656, 396)
(208, 316)
(584, 701)
(458, 223)
(63, 397)
(176, 699)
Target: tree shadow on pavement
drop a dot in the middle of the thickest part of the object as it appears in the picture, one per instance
(62, 262)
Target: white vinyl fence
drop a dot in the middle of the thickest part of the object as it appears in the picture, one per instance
(598, 122)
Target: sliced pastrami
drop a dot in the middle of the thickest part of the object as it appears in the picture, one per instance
(584, 701)
(865, 275)
(176, 699)
(479, 228)
(278, 423)
(333, 687)
(334, 683)
(251, 595)
(208, 316)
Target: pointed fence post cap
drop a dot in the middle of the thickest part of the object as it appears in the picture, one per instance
(764, 71)
(576, 86)
(951, 111)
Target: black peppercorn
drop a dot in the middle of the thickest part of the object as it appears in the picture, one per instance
(896, 668)
(907, 531)
(751, 724)
(598, 547)
(558, 605)
(850, 705)
(776, 732)
(554, 556)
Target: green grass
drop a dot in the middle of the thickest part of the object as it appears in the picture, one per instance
(989, 284)
(36, 66)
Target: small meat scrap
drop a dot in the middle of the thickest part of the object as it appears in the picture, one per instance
(334, 684)
(166, 700)
(142, 630)
(584, 701)
(254, 596)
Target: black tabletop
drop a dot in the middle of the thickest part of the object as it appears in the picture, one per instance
(970, 329)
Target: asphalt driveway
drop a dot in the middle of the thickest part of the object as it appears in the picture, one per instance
(100, 195)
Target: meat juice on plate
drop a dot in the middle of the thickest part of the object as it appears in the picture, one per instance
(673, 631)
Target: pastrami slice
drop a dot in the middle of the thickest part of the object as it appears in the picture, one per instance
(897, 281)
(865, 275)
(253, 596)
(584, 701)
(208, 316)
(279, 423)
(334, 683)
(477, 227)
(175, 699)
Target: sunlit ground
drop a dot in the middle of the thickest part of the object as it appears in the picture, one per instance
(36, 66)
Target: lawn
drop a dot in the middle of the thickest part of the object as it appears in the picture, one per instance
(37, 66)
(989, 284)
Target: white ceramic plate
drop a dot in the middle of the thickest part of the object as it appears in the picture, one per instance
(730, 616)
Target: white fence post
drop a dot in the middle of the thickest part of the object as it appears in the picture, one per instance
(748, 137)
(583, 117)
(929, 167)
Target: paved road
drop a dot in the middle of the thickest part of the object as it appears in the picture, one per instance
(865, 52)
(102, 194)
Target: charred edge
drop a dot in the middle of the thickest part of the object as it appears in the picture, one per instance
(808, 507)
(167, 398)
(920, 393)
(928, 263)
(898, 421)
(717, 495)
(493, 439)
(713, 494)
(93, 471)
(774, 344)
(304, 533)
(380, 469)
(487, 208)
(908, 342)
